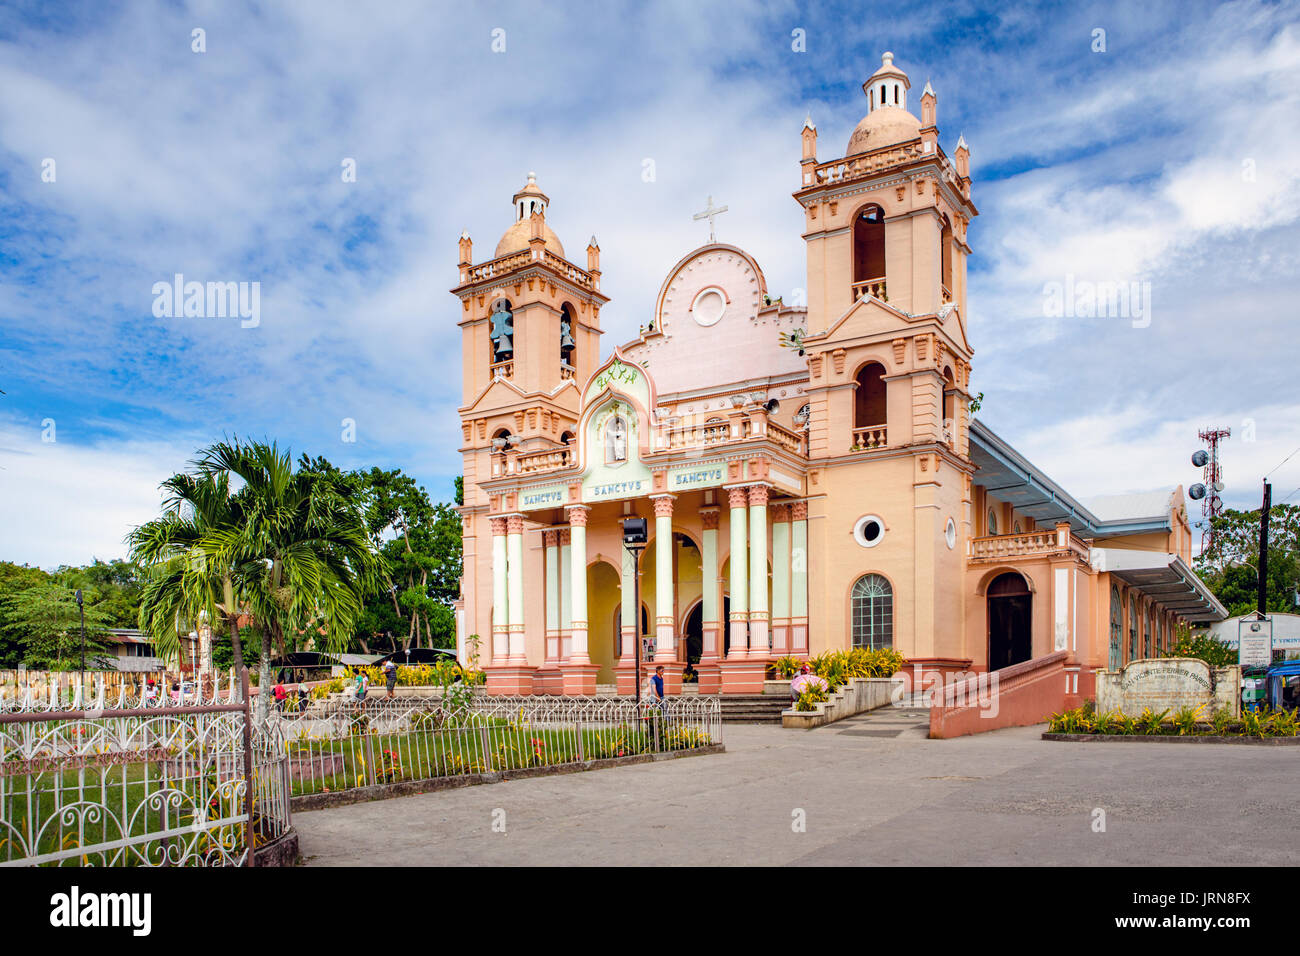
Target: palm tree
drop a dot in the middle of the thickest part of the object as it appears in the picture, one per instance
(182, 551)
(305, 559)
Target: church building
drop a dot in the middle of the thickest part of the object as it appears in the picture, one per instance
(811, 477)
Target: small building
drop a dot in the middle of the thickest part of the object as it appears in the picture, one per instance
(130, 650)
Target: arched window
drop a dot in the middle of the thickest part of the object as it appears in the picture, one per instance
(1133, 652)
(1116, 627)
(945, 259)
(566, 438)
(872, 612)
(501, 331)
(616, 439)
(868, 249)
(1151, 632)
(993, 521)
(568, 345)
(870, 406)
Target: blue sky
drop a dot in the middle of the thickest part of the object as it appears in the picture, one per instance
(1171, 158)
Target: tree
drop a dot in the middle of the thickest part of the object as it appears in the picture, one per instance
(304, 559)
(421, 543)
(1230, 564)
(45, 620)
(114, 587)
(189, 571)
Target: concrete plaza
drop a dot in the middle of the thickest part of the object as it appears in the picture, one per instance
(869, 790)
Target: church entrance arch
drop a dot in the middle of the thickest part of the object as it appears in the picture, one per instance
(1010, 617)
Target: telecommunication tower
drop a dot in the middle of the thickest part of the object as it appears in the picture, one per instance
(1207, 491)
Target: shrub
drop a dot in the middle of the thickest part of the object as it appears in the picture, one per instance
(785, 667)
(839, 667)
(1203, 647)
(810, 698)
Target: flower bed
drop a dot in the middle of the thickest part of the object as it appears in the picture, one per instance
(1185, 722)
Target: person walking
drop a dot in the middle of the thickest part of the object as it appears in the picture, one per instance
(363, 684)
(390, 677)
(280, 695)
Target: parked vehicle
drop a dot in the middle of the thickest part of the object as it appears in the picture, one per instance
(1282, 685)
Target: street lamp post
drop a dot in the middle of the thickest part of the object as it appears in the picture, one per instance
(634, 539)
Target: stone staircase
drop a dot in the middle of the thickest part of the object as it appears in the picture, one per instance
(753, 708)
(736, 708)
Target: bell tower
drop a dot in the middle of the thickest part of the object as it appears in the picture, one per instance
(530, 336)
(889, 363)
(886, 226)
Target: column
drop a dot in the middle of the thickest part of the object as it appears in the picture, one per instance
(500, 598)
(710, 651)
(515, 586)
(759, 618)
(628, 613)
(578, 581)
(664, 584)
(780, 580)
(739, 623)
(566, 595)
(799, 578)
(551, 541)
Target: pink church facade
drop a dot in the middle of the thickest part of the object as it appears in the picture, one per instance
(811, 477)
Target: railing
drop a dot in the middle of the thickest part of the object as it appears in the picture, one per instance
(873, 436)
(340, 745)
(496, 268)
(950, 433)
(535, 462)
(1040, 541)
(504, 369)
(567, 372)
(141, 785)
(947, 296)
(1016, 696)
(579, 277)
(693, 436)
(783, 437)
(875, 287)
(499, 267)
(720, 433)
(852, 167)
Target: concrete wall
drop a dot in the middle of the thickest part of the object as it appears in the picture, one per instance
(1015, 696)
(859, 695)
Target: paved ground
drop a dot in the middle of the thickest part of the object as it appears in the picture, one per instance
(872, 790)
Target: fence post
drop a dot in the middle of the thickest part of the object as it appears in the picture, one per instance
(250, 836)
(487, 754)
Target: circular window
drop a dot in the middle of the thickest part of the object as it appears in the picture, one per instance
(950, 534)
(708, 306)
(869, 531)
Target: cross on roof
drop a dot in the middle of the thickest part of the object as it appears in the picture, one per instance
(709, 213)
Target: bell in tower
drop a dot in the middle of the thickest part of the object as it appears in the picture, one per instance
(503, 331)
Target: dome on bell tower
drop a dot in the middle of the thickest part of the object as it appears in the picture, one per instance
(528, 201)
(887, 122)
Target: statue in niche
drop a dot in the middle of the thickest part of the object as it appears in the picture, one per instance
(616, 439)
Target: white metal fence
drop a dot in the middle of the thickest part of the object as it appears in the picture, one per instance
(140, 785)
(193, 780)
(341, 745)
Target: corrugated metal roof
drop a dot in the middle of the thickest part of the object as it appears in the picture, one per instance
(1009, 476)
(1133, 506)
